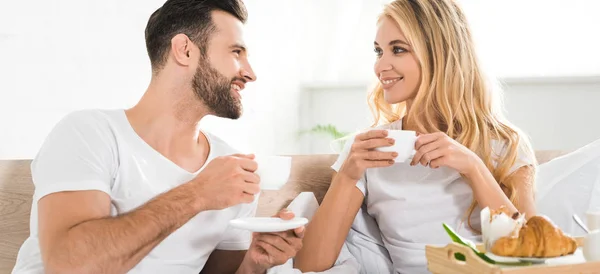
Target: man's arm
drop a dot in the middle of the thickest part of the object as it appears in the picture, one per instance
(78, 235)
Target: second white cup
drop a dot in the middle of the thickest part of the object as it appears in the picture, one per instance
(593, 220)
(591, 246)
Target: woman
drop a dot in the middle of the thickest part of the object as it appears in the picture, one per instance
(468, 157)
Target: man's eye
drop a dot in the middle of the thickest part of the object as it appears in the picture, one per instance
(237, 52)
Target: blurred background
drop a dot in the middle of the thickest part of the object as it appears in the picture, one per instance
(314, 63)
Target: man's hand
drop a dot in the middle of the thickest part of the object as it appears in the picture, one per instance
(227, 181)
(271, 249)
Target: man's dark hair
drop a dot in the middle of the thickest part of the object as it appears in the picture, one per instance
(190, 17)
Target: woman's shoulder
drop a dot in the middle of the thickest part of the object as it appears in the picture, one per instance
(501, 147)
(523, 151)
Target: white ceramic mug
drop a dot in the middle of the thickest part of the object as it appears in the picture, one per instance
(404, 144)
(593, 220)
(274, 171)
(591, 246)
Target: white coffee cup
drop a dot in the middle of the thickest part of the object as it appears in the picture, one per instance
(593, 220)
(274, 171)
(404, 144)
(591, 246)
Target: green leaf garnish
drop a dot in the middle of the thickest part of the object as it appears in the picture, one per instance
(461, 257)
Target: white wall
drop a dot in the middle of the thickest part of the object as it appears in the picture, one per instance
(536, 38)
(559, 113)
(59, 56)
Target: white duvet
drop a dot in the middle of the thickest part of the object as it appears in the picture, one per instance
(570, 185)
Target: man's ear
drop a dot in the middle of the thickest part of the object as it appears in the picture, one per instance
(181, 49)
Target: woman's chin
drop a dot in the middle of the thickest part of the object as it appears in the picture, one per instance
(393, 99)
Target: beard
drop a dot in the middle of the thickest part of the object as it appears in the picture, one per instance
(214, 90)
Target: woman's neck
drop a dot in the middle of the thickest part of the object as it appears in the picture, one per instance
(408, 124)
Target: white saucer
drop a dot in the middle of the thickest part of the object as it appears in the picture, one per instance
(267, 224)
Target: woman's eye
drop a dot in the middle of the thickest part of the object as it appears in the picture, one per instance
(398, 50)
(378, 52)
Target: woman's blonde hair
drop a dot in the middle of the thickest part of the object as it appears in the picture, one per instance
(454, 97)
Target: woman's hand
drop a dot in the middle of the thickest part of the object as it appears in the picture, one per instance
(437, 149)
(363, 155)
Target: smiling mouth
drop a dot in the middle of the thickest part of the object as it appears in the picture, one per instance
(391, 81)
(236, 87)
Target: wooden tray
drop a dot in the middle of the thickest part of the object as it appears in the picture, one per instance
(440, 260)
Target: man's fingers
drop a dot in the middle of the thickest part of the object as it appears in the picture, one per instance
(248, 198)
(286, 236)
(250, 188)
(251, 177)
(299, 232)
(276, 241)
(247, 156)
(285, 214)
(270, 250)
(248, 164)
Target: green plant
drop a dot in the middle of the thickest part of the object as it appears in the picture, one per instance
(327, 130)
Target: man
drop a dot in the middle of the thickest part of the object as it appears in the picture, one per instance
(143, 190)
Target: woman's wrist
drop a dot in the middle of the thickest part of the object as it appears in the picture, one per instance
(344, 179)
(476, 170)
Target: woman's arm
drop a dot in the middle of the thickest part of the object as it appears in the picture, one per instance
(437, 149)
(487, 192)
(327, 231)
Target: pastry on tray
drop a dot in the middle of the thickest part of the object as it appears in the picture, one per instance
(538, 238)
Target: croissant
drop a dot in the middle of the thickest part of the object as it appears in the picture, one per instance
(539, 238)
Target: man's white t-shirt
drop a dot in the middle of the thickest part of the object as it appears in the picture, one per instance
(410, 203)
(99, 150)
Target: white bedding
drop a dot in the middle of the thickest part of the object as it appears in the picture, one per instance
(363, 252)
(305, 205)
(570, 185)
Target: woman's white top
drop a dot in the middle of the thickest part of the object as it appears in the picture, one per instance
(410, 203)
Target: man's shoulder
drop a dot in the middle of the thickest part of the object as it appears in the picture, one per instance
(92, 126)
(88, 117)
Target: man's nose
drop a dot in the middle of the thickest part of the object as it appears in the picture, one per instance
(248, 74)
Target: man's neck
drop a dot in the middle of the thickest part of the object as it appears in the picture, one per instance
(167, 118)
